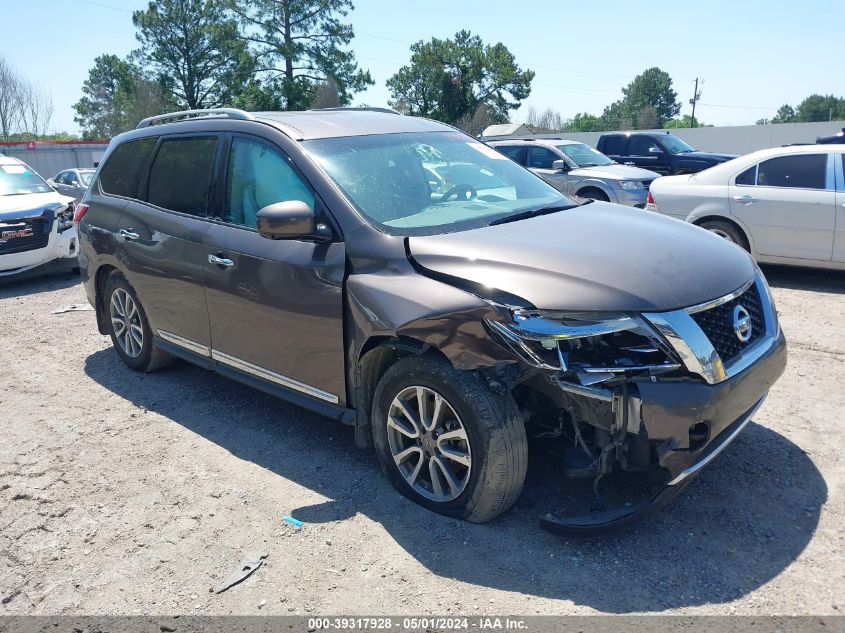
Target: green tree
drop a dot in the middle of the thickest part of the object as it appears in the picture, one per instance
(449, 79)
(194, 49)
(617, 116)
(684, 121)
(116, 95)
(584, 122)
(785, 114)
(820, 108)
(298, 45)
(652, 88)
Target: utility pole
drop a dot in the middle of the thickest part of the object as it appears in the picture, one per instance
(696, 95)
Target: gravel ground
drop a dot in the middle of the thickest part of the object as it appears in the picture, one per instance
(123, 493)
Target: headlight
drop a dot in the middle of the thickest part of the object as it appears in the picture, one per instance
(585, 342)
(630, 185)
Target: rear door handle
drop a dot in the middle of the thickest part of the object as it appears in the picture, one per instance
(220, 261)
(128, 235)
(744, 199)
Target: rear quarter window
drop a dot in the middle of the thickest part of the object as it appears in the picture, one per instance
(120, 174)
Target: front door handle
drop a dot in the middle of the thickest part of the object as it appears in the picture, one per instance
(220, 261)
(744, 199)
(128, 235)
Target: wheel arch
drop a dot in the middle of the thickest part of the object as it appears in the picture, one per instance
(586, 185)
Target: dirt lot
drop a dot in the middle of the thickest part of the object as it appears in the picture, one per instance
(123, 493)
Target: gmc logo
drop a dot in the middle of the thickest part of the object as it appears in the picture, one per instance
(5, 236)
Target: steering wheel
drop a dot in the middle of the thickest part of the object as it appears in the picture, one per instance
(459, 192)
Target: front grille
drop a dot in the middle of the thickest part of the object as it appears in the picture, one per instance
(11, 240)
(717, 324)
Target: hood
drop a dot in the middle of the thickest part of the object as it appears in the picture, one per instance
(31, 204)
(615, 172)
(599, 256)
(722, 158)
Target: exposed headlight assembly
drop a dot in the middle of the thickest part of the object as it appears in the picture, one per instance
(630, 185)
(598, 345)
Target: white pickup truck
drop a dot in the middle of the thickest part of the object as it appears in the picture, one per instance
(36, 222)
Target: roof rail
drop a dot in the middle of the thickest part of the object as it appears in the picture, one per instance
(356, 109)
(231, 113)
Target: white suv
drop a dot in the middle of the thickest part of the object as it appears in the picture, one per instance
(36, 222)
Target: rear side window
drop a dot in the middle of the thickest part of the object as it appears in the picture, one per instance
(119, 176)
(748, 177)
(180, 174)
(511, 151)
(613, 144)
(803, 171)
(640, 146)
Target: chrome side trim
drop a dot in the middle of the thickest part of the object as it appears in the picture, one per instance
(690, 343)
(709, 305)
(272, 376)
(181, 341)
(691, 470)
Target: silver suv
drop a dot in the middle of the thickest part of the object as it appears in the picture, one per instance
(576, 168)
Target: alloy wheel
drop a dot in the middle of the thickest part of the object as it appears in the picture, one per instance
(722, 234)
(429, 444)
(126, 323)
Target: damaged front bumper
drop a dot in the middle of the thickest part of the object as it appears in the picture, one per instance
(661, 393)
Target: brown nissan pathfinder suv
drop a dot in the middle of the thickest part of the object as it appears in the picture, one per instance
(399, 276)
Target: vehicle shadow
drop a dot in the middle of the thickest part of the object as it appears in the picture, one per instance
(37, 282)
(739, 525)
(805, 278)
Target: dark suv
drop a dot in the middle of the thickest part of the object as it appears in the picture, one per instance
(664, 153)
(314, 256)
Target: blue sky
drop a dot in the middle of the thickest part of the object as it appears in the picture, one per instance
(752, 55)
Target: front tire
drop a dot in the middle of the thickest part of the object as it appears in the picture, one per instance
(129, 328)
(593, 193)
(447, 441)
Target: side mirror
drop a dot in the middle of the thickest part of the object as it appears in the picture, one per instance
(289, 220)
(560, 165)
(654, 150)
(74, 183)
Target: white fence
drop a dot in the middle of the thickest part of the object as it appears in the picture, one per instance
(48, 159)
(739, 139)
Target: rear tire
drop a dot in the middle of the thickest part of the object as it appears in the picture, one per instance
(129, 328)
(726, 230)
(463, 427)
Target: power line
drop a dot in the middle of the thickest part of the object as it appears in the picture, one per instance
(105, 6)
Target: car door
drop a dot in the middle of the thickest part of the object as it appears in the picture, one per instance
(275, 306)
(788, 205)
(161, 237)
(76, 187)
(645, 152)
(839, 234)
(540, 159)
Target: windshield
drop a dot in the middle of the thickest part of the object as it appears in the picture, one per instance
(87, 177)
(584, 155)
(675, 145)
(430, 182)
(19, 180)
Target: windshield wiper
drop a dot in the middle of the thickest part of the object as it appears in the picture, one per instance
(532, 213)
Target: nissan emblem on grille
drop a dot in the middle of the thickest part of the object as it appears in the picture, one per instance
(742, 324)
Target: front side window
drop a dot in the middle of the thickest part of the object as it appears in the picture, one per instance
(675, 145)
(62, 178)
(258, 176)
(16, 180)
(540, 157)
(120, 174)
(802, 171)
(180, 174)
(641, 146)
(87, 177)
(584, 156)
(429, 183)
